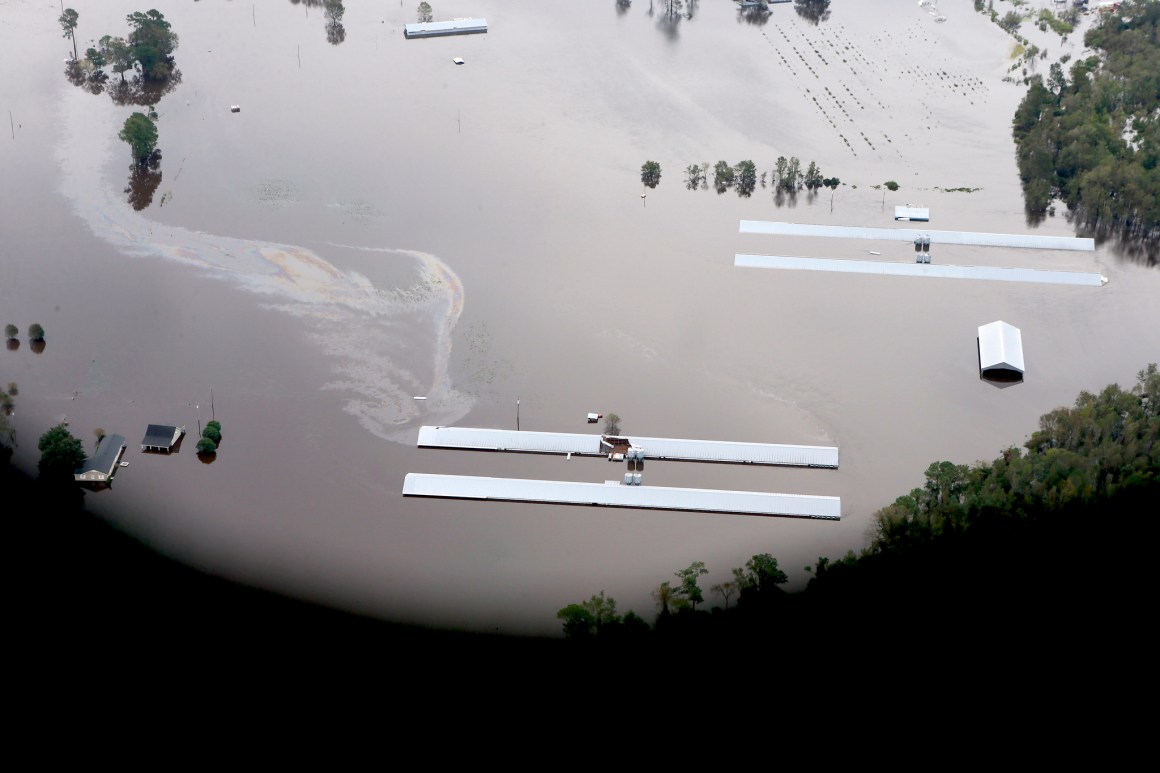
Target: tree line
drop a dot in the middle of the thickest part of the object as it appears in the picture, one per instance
(786, 177)
(1089, 136)
(1003, 542)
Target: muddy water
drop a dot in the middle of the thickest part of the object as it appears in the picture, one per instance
(377, 223)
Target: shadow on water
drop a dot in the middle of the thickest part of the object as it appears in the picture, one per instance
(756, 15)
(13, 344)
(335, 34)
(622, 6)
(813, 11)
(1001, 378)
(207, 458)
(132, 91)
(144, 179)
(37, 345)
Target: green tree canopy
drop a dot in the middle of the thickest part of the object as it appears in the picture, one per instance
(206, 446)
(689, 590)
(68, 23)
(650, 173)
(60, 453)
(10, 330)
(152, 42)
(745, 174)
(35, 332)
(424, 11)
(141, 134)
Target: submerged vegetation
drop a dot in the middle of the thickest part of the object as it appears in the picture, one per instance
(991, 543)
(1091, 136)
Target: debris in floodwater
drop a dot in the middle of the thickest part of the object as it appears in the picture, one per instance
(235, 109)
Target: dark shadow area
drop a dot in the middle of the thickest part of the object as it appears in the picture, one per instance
(144, 179)
(90, 600)
(1001, 377)
(813, 11)
(1130, 248)
(754, 15)
(37, 346)
(207, 458)
(142, 92)
(622, 6)
(13, 344)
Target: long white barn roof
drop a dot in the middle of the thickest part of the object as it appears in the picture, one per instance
(654, 448)
(908, 234)
(941, 271)
(614, 495)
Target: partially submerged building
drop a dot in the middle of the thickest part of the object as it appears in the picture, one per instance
(102, 465)
(1000, 350)
(433, 29)
(921, 214)
(161, 437)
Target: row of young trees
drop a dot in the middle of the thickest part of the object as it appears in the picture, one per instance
(1090, 136)
(786, 177)
(1001, 540)
(148, 48)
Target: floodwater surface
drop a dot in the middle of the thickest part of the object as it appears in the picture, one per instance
(377, 223)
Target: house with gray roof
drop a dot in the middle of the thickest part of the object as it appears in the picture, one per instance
(102, 465)
(161, 437)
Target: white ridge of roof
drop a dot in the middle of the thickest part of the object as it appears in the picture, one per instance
(908, 234)
(942, 271)
(607, 495)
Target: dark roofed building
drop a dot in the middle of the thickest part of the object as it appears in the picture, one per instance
(161, 437)
(102, 465)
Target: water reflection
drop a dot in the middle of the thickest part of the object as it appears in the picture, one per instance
(335, 32)
(37, 345)
(138, 91)
(622, 6)
(144, 180)
(386, 344)
(813, 11)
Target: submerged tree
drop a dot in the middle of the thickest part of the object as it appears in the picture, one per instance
(141, 134)
(650, 173)
(689, 591)
(722, 176)
(612, 424)
(335, 32)
(68, 23)
(424, 11)
(35, 332)
(11, 331)
(60, 453)
(152, 42)
(694, 176)
(746, 176)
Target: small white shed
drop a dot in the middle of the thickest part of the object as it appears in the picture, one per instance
(1000, 348)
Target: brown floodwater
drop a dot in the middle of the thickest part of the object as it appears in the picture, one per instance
(377, 223)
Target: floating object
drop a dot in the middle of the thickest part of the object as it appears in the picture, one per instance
(124, 464)
(595, 417)
(235, 109)
(420, 397)
(457, 60)
(875, 252)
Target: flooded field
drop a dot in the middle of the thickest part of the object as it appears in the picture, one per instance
(378, 223)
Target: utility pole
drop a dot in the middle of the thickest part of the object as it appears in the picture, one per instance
(198, 420)
(211, 413)
(517, 414)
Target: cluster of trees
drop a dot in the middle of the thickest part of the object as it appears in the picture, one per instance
(148, 48)
(756, 586)
(1090, 136)
(993, 544)
(140, 132)
(60, 454)
(425, 12)
(210, 438)
(35, 332)
(786, 177)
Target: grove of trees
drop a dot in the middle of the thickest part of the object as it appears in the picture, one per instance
(1090, 136)
(996, 548)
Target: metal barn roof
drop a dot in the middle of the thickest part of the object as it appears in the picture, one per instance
(613, 495)
(1000, 347)
(454, 27)
(106, 457)
(161, 436)
(907, 234)
(654, 448)
(919, 269)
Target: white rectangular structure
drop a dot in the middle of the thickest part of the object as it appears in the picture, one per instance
(610, 494)
(1000, 348)
(920, 269)
(433, 29)
(912, 213)
(654, 448)
(971, 238)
